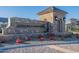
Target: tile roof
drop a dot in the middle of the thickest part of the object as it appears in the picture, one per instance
(51, 8)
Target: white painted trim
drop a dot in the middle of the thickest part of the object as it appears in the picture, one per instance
(9, 22)
(2, 31)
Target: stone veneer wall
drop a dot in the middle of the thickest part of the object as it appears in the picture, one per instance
(30, 26)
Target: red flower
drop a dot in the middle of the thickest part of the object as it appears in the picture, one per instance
(51, 36)
(29, 38)
(41, 37)
(18, 40)
(77, 35)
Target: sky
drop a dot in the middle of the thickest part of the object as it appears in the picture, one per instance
(73, 12)
(31, 11)
(21, 11)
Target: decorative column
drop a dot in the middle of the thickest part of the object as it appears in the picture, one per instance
(55, 25)
(63, 24)
(47, 26)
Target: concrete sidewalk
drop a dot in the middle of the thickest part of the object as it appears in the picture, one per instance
(64, 50)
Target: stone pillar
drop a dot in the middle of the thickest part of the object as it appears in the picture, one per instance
(55, 26)
(51, 27)
(63, 24)
(59, 25)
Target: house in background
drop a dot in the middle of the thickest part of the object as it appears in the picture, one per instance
(73, 25)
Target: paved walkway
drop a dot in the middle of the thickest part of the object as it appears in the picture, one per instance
(64, 50)
(41, 49)
(74, 47)
(33, 49)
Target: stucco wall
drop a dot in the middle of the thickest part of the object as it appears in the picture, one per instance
(47, 16)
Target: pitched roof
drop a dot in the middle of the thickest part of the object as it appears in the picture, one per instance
(50, 9)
